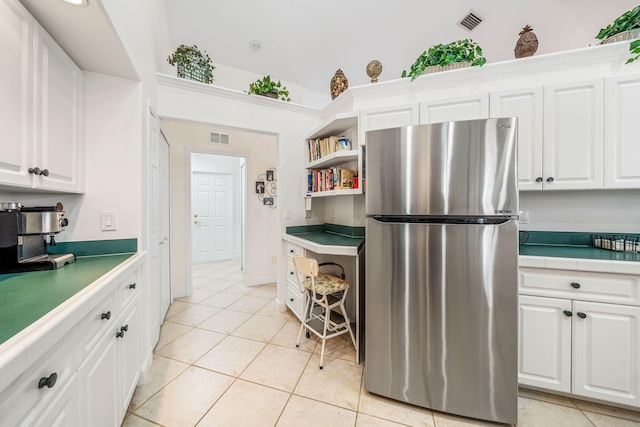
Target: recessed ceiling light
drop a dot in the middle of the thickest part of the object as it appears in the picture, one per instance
(77, 2)
(255, 45)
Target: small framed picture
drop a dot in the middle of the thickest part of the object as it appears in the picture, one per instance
(268, 201)
(260, 187)
(269, 175)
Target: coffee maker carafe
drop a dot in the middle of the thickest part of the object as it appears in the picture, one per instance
(23, 234)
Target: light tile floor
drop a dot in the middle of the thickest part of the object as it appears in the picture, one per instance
(227, 357)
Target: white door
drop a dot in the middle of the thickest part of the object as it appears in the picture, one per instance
(165, 226)
(544, 343)
(573, 122)
(212, 210)
(526, 105)
(606, 352)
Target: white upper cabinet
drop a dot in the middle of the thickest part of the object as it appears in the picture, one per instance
(453, 109)
(386, 118)
(59, 118)
(526, 104)
(16, 77)
(622, 150)
(42, 90)
(573, 136)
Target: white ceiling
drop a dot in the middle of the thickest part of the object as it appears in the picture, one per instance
(305, 42)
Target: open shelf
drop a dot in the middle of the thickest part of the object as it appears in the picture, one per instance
(337, 126)
(345, 192)
(333, 159)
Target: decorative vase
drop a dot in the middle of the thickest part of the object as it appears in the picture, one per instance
(527, 44)
(374, 69)
(339, 84)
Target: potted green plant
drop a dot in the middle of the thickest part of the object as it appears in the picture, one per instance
(625, 27)
(269, 88)
(192, 64)
(452, 55)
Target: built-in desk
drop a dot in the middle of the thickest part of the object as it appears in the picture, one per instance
(339, 244)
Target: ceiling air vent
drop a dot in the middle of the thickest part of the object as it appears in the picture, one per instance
(470, 21)
(219, 138)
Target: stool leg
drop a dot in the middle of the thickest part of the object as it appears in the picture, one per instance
(327, 315)
(302, 327)
(324, 340)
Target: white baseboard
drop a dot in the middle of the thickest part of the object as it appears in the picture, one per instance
(262, 281)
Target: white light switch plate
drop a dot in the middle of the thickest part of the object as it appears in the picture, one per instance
(108, 221)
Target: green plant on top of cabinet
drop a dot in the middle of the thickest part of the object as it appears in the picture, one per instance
(192, 64)
(625, 23)
(269, 88)
(443, 55)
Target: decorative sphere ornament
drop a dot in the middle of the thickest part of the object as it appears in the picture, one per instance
(527, 44)
(374, 69)
(339, 84)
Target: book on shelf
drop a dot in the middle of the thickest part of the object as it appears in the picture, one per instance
(322, 147)
(334, 178)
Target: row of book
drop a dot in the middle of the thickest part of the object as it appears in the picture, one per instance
(321, 147)
(335, 178)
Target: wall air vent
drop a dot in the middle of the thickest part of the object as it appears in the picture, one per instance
(219, 138)
(470, 21)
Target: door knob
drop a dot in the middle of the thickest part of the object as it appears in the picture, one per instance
(539, 179)
(582, 315)
(195, 222)
(49, 381)
(568, 313)
(35, 170)
(195, 215)
(550, 179)
(575, 285)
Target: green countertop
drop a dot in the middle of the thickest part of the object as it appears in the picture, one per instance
(583, 252)
(330, 239)
(26, 297)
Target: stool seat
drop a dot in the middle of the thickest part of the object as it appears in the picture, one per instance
(326, 284)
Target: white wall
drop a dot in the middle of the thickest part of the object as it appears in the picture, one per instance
(261, 153)
(181, 100)
(112, 164)
(226, 164)
(588, 211)
(345, 210)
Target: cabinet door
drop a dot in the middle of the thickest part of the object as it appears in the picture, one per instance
(128, 356)
(453, 109)
(526, 105)
(385, 118)
(621, 148)
(544, 343)
(99, 384)
(16, 87)
(606, 352)
(64, 410)
(59, 118)
(573, 122)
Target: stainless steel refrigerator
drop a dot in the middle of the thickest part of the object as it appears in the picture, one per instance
(442, 267)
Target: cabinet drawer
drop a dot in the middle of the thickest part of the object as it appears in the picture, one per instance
(101, 318)
(290, 249)
(24, 398)
(127, 290)
(598, 287)
(295, 300)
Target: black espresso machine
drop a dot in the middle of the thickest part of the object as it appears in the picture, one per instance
(23, 237)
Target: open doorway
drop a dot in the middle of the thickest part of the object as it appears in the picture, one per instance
(218, 194)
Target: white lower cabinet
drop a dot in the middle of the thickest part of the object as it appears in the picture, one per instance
(295, 297)
(586, 348)
(544, 341)
(606, 352)
(87, 377)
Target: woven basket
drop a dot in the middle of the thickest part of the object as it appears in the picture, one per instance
(452, 66)
(625, 35)
(270, 95)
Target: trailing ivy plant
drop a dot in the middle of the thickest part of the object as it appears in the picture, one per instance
(627, 21)
(265, 86)
(192, 63)
(443, 54)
